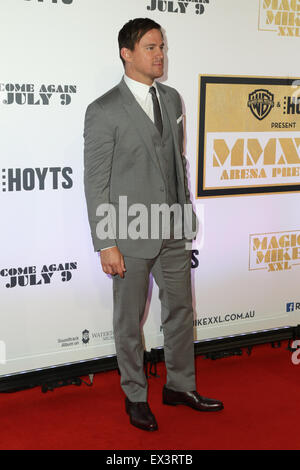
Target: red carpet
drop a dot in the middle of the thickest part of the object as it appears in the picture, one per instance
(260, 393)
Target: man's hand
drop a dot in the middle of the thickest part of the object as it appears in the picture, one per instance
(112, 261)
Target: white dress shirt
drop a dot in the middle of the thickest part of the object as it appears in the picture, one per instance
(141, 93)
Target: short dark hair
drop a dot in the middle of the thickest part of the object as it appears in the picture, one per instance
(133, 31)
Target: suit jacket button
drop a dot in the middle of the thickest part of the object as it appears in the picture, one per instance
(162, 189)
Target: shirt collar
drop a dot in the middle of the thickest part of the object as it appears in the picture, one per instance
(137, 88)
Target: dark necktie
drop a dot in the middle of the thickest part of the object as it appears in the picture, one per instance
(156, 110)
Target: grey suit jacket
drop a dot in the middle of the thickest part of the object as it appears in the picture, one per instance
(120, 159)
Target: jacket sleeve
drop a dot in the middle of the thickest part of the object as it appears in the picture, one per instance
(99, 145)
(192, 221)
(181, 146)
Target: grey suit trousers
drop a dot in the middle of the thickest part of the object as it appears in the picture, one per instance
(171, 270)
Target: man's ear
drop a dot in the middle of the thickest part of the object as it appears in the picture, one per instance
(126, 54)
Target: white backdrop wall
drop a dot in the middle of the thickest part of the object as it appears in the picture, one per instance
(58, 56)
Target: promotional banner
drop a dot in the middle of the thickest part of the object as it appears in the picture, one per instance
(235, 66)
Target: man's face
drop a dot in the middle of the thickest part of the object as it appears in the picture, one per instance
(146, 61)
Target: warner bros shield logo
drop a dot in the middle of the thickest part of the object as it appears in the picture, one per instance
(260, 103)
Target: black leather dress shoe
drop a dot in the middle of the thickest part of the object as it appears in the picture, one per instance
(192, 399)
(140, 415)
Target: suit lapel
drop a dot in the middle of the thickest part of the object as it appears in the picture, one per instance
(164, 96)
(171, 113)
(138, 117)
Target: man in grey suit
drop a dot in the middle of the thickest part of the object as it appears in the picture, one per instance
(133, 153)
